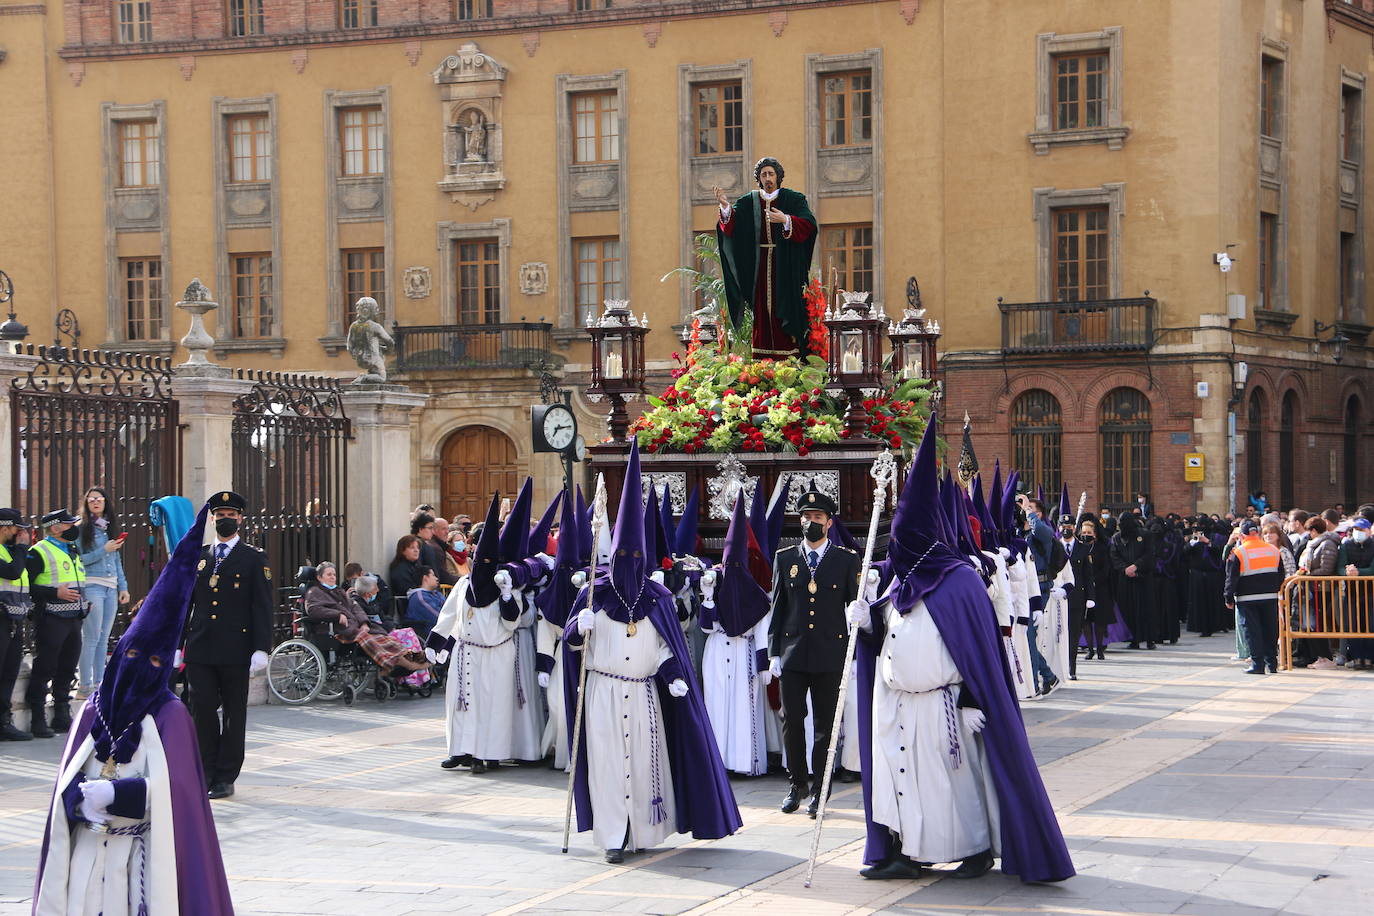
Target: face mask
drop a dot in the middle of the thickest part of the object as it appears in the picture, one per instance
(70, 534)
(813, 531)
(1360, 536)
(460, 545)
(226, 527)
(1087, 539)
(1106, 515)
(327, 585)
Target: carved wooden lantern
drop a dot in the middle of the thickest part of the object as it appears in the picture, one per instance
(617, 361)
(856, 355)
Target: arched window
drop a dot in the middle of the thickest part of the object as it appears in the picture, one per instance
(1254, 441)
(1351, 447)
(1035, 440)
(1287, 449)
(1124, 429)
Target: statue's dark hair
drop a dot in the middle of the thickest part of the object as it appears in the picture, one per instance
(768, 160)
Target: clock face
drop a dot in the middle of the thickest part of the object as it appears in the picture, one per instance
(559, 427)
(580, 449)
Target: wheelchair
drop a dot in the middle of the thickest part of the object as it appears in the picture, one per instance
(312, 664)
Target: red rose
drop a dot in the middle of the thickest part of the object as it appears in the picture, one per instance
(895, 441)
(803, 450)
(667, 564)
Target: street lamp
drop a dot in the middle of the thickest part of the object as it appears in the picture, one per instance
(1338, 340)
(856, 354)
(12, 331)
(617, 361)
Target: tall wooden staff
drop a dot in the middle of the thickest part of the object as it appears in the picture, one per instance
(598, 522)
(883, 472)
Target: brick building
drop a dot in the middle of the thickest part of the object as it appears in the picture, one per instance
(1058, 174)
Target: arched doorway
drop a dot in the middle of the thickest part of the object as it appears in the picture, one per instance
(1288, 422)
(1254, 441)
(1124, 430)
(475, 462)
(1351, 447)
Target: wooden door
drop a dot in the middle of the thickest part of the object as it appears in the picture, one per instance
(477, 461)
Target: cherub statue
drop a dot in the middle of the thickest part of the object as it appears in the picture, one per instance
(367, 340)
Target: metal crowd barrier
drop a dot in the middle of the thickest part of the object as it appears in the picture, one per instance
(1324, 607)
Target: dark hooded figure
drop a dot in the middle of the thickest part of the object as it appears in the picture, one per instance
(129, 828)
(948, 774)
(1132, 559)
(1202, 560)
(555, 603)
(647, 764)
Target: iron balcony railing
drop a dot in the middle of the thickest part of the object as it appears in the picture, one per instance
(1094, 324)
(519, 345)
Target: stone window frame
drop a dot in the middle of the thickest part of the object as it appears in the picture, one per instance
(221, 110)
(1350, 202)
(1047, 46)
(1047, 200)
(449, 233)
(1276, 310)
(115, 333)
(334, 338)
(689, 76)
(818, 65)
(565, 86)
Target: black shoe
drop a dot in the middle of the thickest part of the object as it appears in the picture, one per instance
(847, 776)
(1149, 645)
(813, 806)
(1073, 677)
(1050, 687)
(493, 764)
(221, 790)
(1273, 666)
(1255, 669)
(61, 717)
(1132, 645)
(897, 868)
(975, 866)
(793, 800)
(615, 856)
(452, 763)
(8, 731)
(479, 766)
(1102, 653)
(39, 723)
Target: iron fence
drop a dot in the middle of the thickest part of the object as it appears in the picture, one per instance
(84, 418)
(1098, 324)
(290, 463)
(518, 345)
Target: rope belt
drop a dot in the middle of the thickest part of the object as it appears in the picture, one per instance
(657, 812)
(139, 833)
(462, 668)
(952, 728)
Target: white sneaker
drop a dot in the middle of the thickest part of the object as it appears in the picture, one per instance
(1324, 664)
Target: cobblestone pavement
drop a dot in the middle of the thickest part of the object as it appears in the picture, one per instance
(1183, 786)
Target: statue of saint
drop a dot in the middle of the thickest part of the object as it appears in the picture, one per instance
(766, 239)
(368, 340)
(475, 137)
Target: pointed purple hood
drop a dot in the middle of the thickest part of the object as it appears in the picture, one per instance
(630, 566)
(665, 520)
(917, 555)
(140, 667)
(777, 518)
(556, 600)
(1064, 507)
(740, 601)
(515, 531)
(685, 537)
(656, 544)
(539, 537)
(758, 514)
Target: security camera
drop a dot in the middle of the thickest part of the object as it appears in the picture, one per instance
(1223, 261)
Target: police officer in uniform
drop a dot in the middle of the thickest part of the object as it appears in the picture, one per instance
(813, 582)
(55, 579)
(15, 605)
(228, 636)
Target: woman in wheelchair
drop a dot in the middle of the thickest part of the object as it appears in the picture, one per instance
(326, 602)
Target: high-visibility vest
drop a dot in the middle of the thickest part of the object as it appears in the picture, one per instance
(60, 567)
(1260, 562)
(13, 585)
(14, 593)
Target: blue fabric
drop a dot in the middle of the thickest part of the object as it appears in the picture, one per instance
(705, 803)
(423, 606)
(515, 530)
(105, 564)
(174, 515)
(95, 631)
(556, 599)
(777, 517)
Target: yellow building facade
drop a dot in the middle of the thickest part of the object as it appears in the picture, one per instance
(476, 164)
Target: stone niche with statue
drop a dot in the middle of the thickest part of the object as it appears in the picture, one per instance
(470, 89)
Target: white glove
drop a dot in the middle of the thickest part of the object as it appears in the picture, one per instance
(177, 659)
(96, 796)
(975, 720)
(579, 579)
(873, 577)
(258, 662)
(502, 580)
(858, 613)
(548, 561)
(543, 679)
(1091, 604)
(431, 655)
(766, 676)
(1058, 593)
(775, 666)
(657, 576)
(441, 657)
(585, 620)
(678, 688)
(708, 579)
(1035, 617)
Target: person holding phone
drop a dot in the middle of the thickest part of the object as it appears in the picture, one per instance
(106, 587)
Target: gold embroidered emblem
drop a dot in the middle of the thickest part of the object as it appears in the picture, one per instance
(201, 566)
(792, 573)
(630, 630)
(811, 586)
(267, 573)
(224, 497)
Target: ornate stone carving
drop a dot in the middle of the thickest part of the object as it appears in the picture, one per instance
(415, 282)
(470, 88)
(367, 340)
(360, 198)
(828, 482)
(730, 479)
(76, 70)
(672, 484)
(137, 209)
(196, 301)
(594, 186)
(777, 21)
(847, 169)
(652, 31)
(534, 278)
(469, 64)
(531, 43)
(299, 58)
(474, 128)
(249, 204)
(909, 9)
(727, 179)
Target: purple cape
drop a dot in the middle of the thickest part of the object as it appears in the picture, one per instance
(706, 805)
(202, 889)
(1033, 846)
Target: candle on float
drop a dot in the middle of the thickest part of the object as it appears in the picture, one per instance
(614, 366)
(851, 362)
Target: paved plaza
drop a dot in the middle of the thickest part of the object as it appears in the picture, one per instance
(1183, 786)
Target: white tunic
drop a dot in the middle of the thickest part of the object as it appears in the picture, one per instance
(479, 697)
(549, 641)
(1052, 636)
(936, 803)
(736, 698)
(627, 750)
(1018, 646)
(527, 733)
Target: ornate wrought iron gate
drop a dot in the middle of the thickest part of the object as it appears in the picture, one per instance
(290, 462)
(84, 418)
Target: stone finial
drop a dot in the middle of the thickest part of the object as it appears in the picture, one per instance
(197, 301)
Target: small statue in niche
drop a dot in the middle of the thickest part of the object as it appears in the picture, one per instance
(367, 341)
(474, 137)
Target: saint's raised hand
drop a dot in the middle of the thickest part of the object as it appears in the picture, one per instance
(720, 197)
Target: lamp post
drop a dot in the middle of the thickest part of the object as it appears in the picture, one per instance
(617, 362)
(12, 331)
(856, 356)
(1338, 340)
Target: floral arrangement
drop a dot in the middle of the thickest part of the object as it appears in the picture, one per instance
(724, 402)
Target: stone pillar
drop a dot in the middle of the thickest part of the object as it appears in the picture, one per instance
(13, 366)
(379, 469)
(205, 399)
